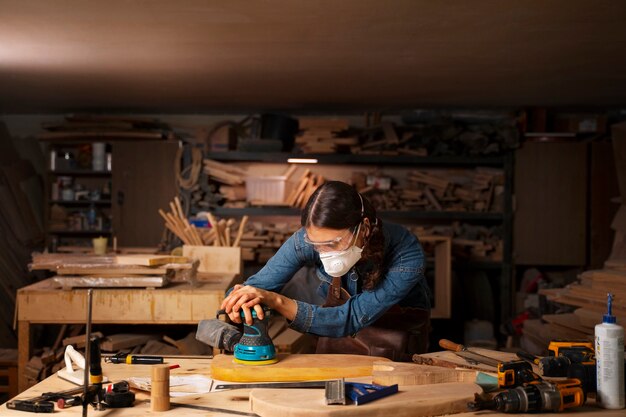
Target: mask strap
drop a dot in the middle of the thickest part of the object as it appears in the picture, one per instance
(362, 205)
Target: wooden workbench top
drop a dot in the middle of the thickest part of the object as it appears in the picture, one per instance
(235, 400)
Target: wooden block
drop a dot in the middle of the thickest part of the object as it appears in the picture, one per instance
(141, 281)
(149, 260)
(215, 259)
(386, 373)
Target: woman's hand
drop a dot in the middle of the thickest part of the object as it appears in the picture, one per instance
(245, 297)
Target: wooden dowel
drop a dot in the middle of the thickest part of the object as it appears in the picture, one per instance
(242, 226)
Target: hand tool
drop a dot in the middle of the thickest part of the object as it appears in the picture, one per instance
(134, 359)
(255, 346)
(306, 384)
(87, 351)
(562, 355)
(467, 354)
(31, 406)
(538, 396)
(515, 373)
(337, 390)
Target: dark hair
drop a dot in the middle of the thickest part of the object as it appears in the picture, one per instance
(337, 205)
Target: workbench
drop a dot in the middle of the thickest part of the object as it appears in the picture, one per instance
(180, 303)
(235, 400)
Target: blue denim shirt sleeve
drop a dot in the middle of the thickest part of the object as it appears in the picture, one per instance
(403, 283)
(405, 273)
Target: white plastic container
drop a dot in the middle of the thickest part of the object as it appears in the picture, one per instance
(266, 189)
(98, 160)
(609, 347)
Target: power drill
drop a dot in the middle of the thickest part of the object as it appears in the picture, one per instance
(574, 359)
(515, 373)
(537, 396)
(563, 353)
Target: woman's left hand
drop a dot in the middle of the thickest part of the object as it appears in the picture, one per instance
(243, 298)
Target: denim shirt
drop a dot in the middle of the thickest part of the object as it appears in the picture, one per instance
(403, 283)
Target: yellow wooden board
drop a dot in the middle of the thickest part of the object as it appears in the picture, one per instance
(417, 400)
(296, 367)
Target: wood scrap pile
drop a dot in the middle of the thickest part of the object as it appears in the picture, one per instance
(225, 232)
(589, 297)
(384, 140)
(81, 127)
(469, 242)
(261, 240)
(176, 222)
(21, 228)
(458, 190)
(323, 135)
(229, 174)
(83, 270)
(461, 133)
(50, 359)
(307, 185)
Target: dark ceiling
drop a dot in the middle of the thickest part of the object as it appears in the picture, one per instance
(207, 56)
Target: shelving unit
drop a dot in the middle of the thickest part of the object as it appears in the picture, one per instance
(504, 218)
(92, 180)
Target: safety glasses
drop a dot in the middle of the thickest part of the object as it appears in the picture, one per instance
(337, 244)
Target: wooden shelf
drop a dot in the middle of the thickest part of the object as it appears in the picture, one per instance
(277, 157)
(80, 173)
(81, 203)
(79, 232)
(387, 214)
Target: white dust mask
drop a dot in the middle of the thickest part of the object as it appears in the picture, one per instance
(338, 263)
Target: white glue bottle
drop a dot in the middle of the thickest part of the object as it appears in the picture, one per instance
(610, 361)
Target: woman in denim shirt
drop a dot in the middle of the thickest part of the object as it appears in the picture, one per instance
(371, 273)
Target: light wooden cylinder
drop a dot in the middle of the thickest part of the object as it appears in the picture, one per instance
(160, 388)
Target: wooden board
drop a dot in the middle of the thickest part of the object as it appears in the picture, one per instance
(296, 367)
(149, 260)
(66, 281)
(417, 400)
(451, 357)
(389, 373)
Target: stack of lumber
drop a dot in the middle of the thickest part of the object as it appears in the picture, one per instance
(261, 240)
(138, 270)
(589, 296)
(323, 135)
(459, 190)
(469, 242)
(384, 140)
(80, 127)
(225, 173)
(21, 226)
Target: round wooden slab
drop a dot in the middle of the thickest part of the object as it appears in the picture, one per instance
(417, 400)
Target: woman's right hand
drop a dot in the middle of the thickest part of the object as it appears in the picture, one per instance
(244, 298)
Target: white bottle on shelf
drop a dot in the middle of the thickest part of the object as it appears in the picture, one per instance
(609, 346)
